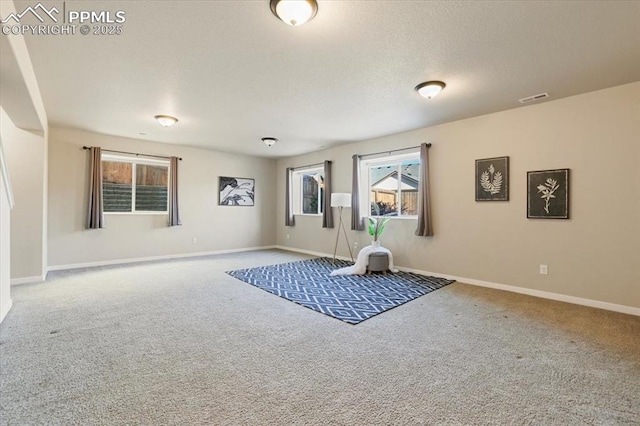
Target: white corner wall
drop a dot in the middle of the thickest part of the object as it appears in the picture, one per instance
(135, 237)
(5, 247)
(593, 258)
(25, 153)
(24, 127)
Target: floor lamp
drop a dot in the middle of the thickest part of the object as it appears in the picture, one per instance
(341, 200)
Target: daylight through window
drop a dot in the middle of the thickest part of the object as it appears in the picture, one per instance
(392, 185)
(131, 185)
(308, 191)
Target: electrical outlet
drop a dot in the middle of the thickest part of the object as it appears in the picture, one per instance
(544, 270)
(194, 240)
(355, 245)
(287, 236)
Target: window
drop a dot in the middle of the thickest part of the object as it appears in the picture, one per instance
(392, 185)
(132, 185)
(308, 191)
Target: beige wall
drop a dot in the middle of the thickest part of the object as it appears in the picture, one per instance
(21, 93)
(5, 231)
(594, 255)
(23, 236)
(5, 252)
(25, 153)
(139, 236)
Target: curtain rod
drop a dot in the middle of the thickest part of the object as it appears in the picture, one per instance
(133, 153)
(308, 166)
(393, 150)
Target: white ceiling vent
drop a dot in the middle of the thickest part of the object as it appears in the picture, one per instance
(533, 98)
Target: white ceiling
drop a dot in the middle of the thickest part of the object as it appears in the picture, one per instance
(233, 73)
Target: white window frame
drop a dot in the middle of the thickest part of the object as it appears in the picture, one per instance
(298, 188)
(365, 179)
(134, 161)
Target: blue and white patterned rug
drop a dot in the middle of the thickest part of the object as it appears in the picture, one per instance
(350, 298)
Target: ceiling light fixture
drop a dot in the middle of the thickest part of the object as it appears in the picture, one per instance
(269, 141)
(430, 89)
(294, 12)
(166, 120)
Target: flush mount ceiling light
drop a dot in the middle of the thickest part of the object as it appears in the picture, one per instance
(269, 141)
(430, 89)
(294, 12)
(166, 120)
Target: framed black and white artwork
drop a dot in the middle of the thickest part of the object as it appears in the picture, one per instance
(548, 194)
(236, 191)
(492, 179)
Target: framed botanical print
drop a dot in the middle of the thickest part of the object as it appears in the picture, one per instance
(492, 179)
(548, 194)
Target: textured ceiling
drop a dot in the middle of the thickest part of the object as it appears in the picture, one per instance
(233, 73)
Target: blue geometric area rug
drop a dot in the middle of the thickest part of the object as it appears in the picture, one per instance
(350, 298)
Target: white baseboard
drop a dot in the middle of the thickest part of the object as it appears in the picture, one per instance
(151, 258)
(311, 253)
(505, 287)
(536, 293)
(4, 310)
(27, 280)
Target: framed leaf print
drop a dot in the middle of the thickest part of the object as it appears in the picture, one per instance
(548, 194)
(492, 179)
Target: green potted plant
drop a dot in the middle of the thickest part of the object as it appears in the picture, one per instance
(376, 226)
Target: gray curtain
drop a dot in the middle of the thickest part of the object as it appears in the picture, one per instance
(288, 209)
(95, 215)
(174, 211)
(327, 214)
(425, 228)
(357, 223)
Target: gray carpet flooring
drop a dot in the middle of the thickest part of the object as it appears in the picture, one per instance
(180, 342)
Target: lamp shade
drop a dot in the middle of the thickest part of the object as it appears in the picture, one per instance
(340, 199)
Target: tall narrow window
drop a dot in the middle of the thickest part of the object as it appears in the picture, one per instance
(289, 219)
(308, 191)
